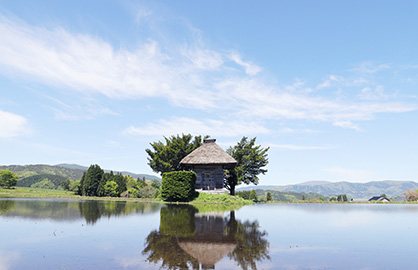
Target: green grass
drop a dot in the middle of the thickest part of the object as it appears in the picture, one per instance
(212, 201)
(25, 192)
(225, 199)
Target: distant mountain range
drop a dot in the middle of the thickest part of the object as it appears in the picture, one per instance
(355, 190)
(69, 171)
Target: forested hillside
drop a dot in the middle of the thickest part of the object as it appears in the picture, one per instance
(31, 170)
(42, 181)
(51, 177)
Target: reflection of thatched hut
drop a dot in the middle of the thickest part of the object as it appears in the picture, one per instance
(209, 162)
(208, 254)
(210, 243)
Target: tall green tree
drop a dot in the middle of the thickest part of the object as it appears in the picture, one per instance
(92, 181)
(8, 179)
(269, 197)
(253, 196)
(251, 162)
(166, 157)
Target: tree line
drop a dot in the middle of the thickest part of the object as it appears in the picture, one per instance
(95, 182)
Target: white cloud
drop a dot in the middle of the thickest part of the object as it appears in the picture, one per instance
(192, 76)
(254, 98)
(12, 125)
(91, 65)
(179, 125)
(346, 124)
(368, 68)
(250, 69)
(203, 58)
(329, 81)
(376, 93)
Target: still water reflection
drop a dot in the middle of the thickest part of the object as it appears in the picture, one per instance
(187, 239)
(68, 234)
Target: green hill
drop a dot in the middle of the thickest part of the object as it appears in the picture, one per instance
(48, 176)
(42, 181)
(31, 170)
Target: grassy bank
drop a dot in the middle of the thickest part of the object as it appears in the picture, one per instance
(24, 192)
(205, 198)
(202, 199)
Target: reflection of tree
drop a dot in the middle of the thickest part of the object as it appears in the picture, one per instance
(162, 245)
(183, 235)
(94, 210)
(165, 248)
(252, 246)
(6, 206)
(178, 220)
(91, 211)
(72, 210)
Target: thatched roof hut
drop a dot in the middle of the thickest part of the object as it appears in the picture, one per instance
(209, 153)
(209, 162)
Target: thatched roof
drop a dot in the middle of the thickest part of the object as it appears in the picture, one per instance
(209, 153)
(208, 254)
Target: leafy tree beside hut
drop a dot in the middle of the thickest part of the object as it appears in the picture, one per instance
(166, 157)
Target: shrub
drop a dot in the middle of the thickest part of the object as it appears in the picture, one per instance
(111, 189)
(253, 196)
(243, 194)
(8, 178)
(411, 195)
(178, 186)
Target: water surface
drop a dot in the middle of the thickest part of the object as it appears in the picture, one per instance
(68, 234)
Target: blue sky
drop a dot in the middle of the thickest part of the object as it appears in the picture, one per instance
(330, 86)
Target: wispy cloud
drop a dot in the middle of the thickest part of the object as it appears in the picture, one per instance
(368, 67)
(13, 125)
(179, 125)
(330, 81)
(250, 69)
(346, 124)
(190, 75)
(375, 93)
(86, 110)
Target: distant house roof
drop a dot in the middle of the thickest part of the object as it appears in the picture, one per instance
(209, 153)
(379, 199)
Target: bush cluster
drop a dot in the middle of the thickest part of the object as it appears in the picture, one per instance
(95, 182)
(8, 179)
(178, 186)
